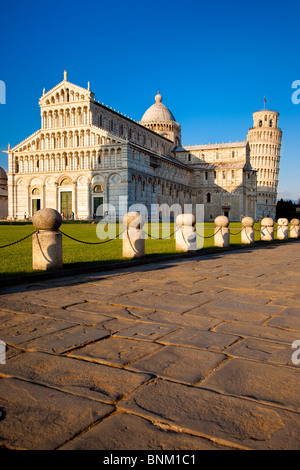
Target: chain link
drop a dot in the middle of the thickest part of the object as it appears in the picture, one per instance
(18, 241)
(210, 236)
(93, 243)
(237, 233)
(162, 238)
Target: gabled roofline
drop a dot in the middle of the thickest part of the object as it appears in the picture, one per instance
(65, 82)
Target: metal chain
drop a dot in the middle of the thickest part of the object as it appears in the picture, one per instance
(237, 232)
(18, 241)
(210, 236)
(93, 243)
(161, 238)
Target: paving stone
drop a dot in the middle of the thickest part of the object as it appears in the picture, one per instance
(111, 311)
(288, 318)
(167, 286)
(26, 328)
(15, 304)
(117, 325)
(105, 288)
(182, 320)
(88, 379)
(261, 382)
(60, 298)
(230, 314)
(163, 302)
(242, 307)
(238, 282)
(199, 338)
(147, 331)
(116, 351)
(257, 331)
(180, 364)
(77, 316)
(124, 431)
(263, 351)
(228, 295)
(33, 417)
(282, 287)
(233, 420)
(64, 340)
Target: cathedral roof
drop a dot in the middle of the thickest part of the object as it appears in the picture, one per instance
(158, 112)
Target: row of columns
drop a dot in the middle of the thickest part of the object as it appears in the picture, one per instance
(47, 239)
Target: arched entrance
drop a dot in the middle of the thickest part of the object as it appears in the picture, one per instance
(65, 191)
(98, 199)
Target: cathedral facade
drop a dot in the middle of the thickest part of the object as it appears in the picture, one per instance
(87, 157)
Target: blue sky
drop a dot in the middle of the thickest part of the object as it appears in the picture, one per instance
(213, 63)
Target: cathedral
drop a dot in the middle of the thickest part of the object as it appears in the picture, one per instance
(88, 156)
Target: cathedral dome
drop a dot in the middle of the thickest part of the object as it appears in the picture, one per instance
(158, 112)
(3, 174)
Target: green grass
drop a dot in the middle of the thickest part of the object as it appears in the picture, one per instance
(18, 258)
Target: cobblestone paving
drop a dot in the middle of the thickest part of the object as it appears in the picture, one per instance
(185, 354)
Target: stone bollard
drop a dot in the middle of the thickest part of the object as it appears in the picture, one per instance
(133, 237)
(282, 229)
(186, 238)
(47, 242)
(222, 236)
(247, 234)
(267, 229)
(294, 228)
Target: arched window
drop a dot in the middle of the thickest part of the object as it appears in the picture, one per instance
(208, 197)
(98, 188)
(65, 182)
(35, 191)
(260, 123)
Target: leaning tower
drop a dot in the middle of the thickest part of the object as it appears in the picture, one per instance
(265, 141)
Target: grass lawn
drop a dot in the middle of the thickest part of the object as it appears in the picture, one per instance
(18, 258)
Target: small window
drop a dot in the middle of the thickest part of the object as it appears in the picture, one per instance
(208, 197)
(233, 154)
(215, 174)
(206, 175)
(271, 123)
(260, 123)
(223, 175)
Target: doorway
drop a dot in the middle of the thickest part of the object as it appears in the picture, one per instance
(36, 205)
(97, 206)
(66, 204)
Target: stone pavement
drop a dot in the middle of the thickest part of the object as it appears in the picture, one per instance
(186, 354)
